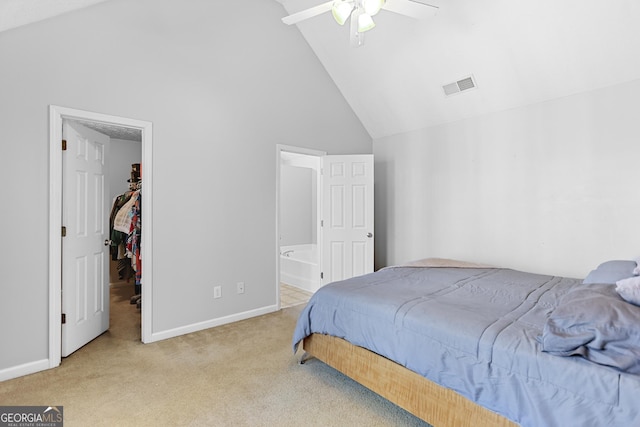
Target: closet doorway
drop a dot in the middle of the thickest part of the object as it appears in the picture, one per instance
(117, 131)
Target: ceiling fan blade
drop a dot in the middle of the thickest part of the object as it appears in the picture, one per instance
(294, 18)
(418, 9)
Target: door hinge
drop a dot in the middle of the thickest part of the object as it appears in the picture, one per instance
(322, 275)
(64, 145)
(64, 231)
(64, 318)
(322, 223)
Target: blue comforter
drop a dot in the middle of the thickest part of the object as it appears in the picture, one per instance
(476, 331)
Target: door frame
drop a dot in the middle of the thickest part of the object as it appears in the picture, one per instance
(296, 150)
(56, 115)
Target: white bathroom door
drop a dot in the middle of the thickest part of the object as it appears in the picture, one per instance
(85, 267)
(347, 216)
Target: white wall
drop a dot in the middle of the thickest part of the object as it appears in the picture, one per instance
(122, 154)
(297, 205)
(550, 187)
(222, 87)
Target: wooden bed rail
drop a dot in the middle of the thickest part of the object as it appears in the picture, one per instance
(437, 405)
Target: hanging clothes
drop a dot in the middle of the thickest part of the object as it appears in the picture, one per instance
(117, 237)
(122, 221)
(126, 231)
(126, 228)
(134, 238)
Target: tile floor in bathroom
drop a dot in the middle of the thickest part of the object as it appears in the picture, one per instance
(290, 296)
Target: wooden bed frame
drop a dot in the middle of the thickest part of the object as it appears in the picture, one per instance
(437, 405)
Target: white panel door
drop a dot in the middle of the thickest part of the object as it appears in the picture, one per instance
(347, 216)
(85, 208)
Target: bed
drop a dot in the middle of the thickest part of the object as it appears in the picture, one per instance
(461, 344)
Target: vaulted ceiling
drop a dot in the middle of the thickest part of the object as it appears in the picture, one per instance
(518, 52)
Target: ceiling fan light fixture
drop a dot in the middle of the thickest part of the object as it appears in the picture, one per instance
(341, 11)
(371, 7)
(365, 23)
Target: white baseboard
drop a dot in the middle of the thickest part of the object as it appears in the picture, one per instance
(24, 369)
(171, 333)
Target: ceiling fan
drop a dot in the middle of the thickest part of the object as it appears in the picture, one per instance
(361, 13)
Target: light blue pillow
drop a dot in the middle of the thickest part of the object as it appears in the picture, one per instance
(610, 272)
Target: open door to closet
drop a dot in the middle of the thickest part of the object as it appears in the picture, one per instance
(85, 272)
(101, 244)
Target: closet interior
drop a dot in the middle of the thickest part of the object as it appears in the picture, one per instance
(125, 231)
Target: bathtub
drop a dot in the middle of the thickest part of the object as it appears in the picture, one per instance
(299, 266)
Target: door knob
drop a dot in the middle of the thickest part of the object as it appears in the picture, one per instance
(369, 235)
(107, 242)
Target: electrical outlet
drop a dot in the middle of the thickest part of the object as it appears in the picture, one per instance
(240, 286)
(217, 292)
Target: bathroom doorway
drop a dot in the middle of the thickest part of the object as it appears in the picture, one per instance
(298, 224)
(325, 217)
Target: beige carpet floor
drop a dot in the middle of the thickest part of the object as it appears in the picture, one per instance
(242, 374)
